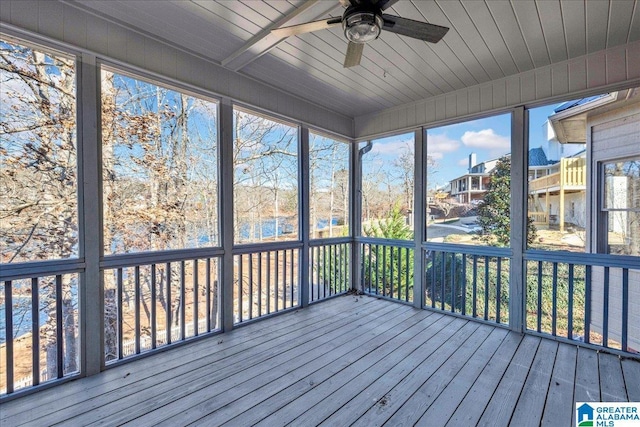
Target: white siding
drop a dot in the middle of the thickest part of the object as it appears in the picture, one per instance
(614, 135)
(565, 79)
(615, 305)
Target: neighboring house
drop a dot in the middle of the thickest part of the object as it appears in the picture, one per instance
(472, 186)
(609, 125)
(557, 178)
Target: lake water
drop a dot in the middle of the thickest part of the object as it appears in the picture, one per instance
(22, 311)
(21, 318)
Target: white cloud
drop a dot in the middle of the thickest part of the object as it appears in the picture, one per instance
(486, 139)
(439, 144)
(463, 162)
(394, 147)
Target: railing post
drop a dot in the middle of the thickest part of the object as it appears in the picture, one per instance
(226, 212)
(355, 217)
(90, 227)
(563, 182)
(304, 197)
(419, 211)
(519, 220)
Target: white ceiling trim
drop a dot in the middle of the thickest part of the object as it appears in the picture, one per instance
(586, 75)
(488, 40)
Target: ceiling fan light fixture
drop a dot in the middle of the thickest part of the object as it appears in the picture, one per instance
(362, 27)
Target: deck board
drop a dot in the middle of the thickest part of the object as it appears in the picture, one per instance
(631, 371)
(428, 389)
(217, 348)
(409, 373)
(366, 387)
(505, 397)
(374, 361)
(611, 379)
(348, 361)
(587, 386)
(447, 402)
(162, 398)
(560, 394)
(473, 404)
(250, 411)
(530, 406)
(279, 373)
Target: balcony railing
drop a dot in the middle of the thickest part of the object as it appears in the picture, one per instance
(329, 269)
(387, 268)
(589, 298)
(156, 300)
(572, 174)
(152, 303)
(539, 218)
(470, 281)
(266, 279)
(40, 334)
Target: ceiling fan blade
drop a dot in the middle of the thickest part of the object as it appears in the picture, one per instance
(386, 4)
(307, 27)
(418, 30)
(354, 54)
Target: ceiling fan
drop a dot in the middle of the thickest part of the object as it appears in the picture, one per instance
(362, 22)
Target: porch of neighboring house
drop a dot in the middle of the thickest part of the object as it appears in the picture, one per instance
(349, 360)
(571, 178)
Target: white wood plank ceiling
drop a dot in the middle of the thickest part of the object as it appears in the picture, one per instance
(487, 40)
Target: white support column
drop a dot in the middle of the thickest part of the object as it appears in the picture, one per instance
(518, 208)
(419, 211)
(90, 227)
(226, 212)
(303, 211)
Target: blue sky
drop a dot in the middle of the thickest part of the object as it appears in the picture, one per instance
(489, 138)
(450, 146)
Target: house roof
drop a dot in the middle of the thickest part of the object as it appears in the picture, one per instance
(570, 119)
(537, 157)
(576, 102)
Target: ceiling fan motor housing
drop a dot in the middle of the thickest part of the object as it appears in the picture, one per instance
(362, 25)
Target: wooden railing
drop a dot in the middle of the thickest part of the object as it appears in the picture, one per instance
(329, 268)
(157, 300)
(266, 279)
(470, 281)
(40, 324)
(387, 268)
(539, 217)
(546, 182)
(145, 298)
(585, 298)
(572, 173)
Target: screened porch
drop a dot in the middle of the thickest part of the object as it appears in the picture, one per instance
(247, 232)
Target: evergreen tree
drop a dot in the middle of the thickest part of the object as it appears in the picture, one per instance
(389, 267)
(494, 211)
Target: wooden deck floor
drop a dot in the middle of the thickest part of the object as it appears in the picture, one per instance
(348, 361)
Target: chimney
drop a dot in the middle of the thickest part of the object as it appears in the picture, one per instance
(472, 161)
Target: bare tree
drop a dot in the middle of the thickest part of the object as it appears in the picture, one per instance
(265, 167)
(328, 163)
(38, 181)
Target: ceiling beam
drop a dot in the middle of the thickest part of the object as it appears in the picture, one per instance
(264, 41)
